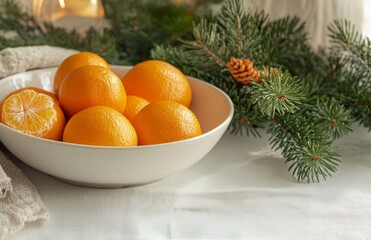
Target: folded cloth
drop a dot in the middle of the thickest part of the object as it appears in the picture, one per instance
(19, 199)
(15, 60)
(20, 205)
(5, 185)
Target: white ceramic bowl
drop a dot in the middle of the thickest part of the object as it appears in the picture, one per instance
(114, 167)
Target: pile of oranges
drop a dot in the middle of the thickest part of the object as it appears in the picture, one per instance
(91, 105)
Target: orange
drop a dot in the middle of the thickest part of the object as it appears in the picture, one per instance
(33, 113)
(39, 90)
(133, 105)
(100, 125)
(157, 80)
(75, 61)
(89, 86)
(165, 121)
(36, 89)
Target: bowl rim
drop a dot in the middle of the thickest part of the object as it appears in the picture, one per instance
(160, 145)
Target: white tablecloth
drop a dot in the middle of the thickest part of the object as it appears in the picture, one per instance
(240, 190)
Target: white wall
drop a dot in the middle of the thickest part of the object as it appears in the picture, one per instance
(318, 14)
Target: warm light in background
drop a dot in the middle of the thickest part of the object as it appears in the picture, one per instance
(62, 3)
(70, 14)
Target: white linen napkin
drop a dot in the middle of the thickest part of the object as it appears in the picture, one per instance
(22, 202)
(5, 185)
(15, 60)
(19, 200)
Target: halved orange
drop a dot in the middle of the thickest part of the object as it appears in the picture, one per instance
(33, 113)
(36, 89)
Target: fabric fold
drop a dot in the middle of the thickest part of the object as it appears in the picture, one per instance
(5, 184)
(20, 59)
(20, 205)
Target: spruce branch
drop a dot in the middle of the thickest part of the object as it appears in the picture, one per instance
(247, 119)
(279, 94)
(353, 50)
(353, 86)
(281, 38)
(243, 45)
(332, 117)
(313, 162)
(208, 44)
(13, 18)
(358, 100)
(304, 147)
(140, 25)
(244, 36)
(346, 38)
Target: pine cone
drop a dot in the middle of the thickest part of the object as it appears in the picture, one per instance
(243, 71)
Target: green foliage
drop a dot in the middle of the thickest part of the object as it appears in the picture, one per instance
(352, 85)
(304, 147)
(332, 117)
(279, 94)
(215, 41)
(309, 103)
(244, 37)
(138, 26)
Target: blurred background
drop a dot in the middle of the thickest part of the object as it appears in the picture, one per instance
(317, 13)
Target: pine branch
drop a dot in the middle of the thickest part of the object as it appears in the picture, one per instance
(354, 52)
(246, 119)
(135, 25)
(304, 147)
(346, 38)
(279, 94)
(243, 38)
(331, 117)
(353, 87)
(357, 99)
(139, 25)
(300, 124)
(284, 41)
(176, 56)
(208, 45)
(13, 18)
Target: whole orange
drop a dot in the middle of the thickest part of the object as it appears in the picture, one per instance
(75, 61)
(133, 105)
(100, 125)
(157, 80)
(33, 113)
(89, 86)
(165, 121)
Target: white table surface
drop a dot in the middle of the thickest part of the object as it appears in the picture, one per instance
(240, 190)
